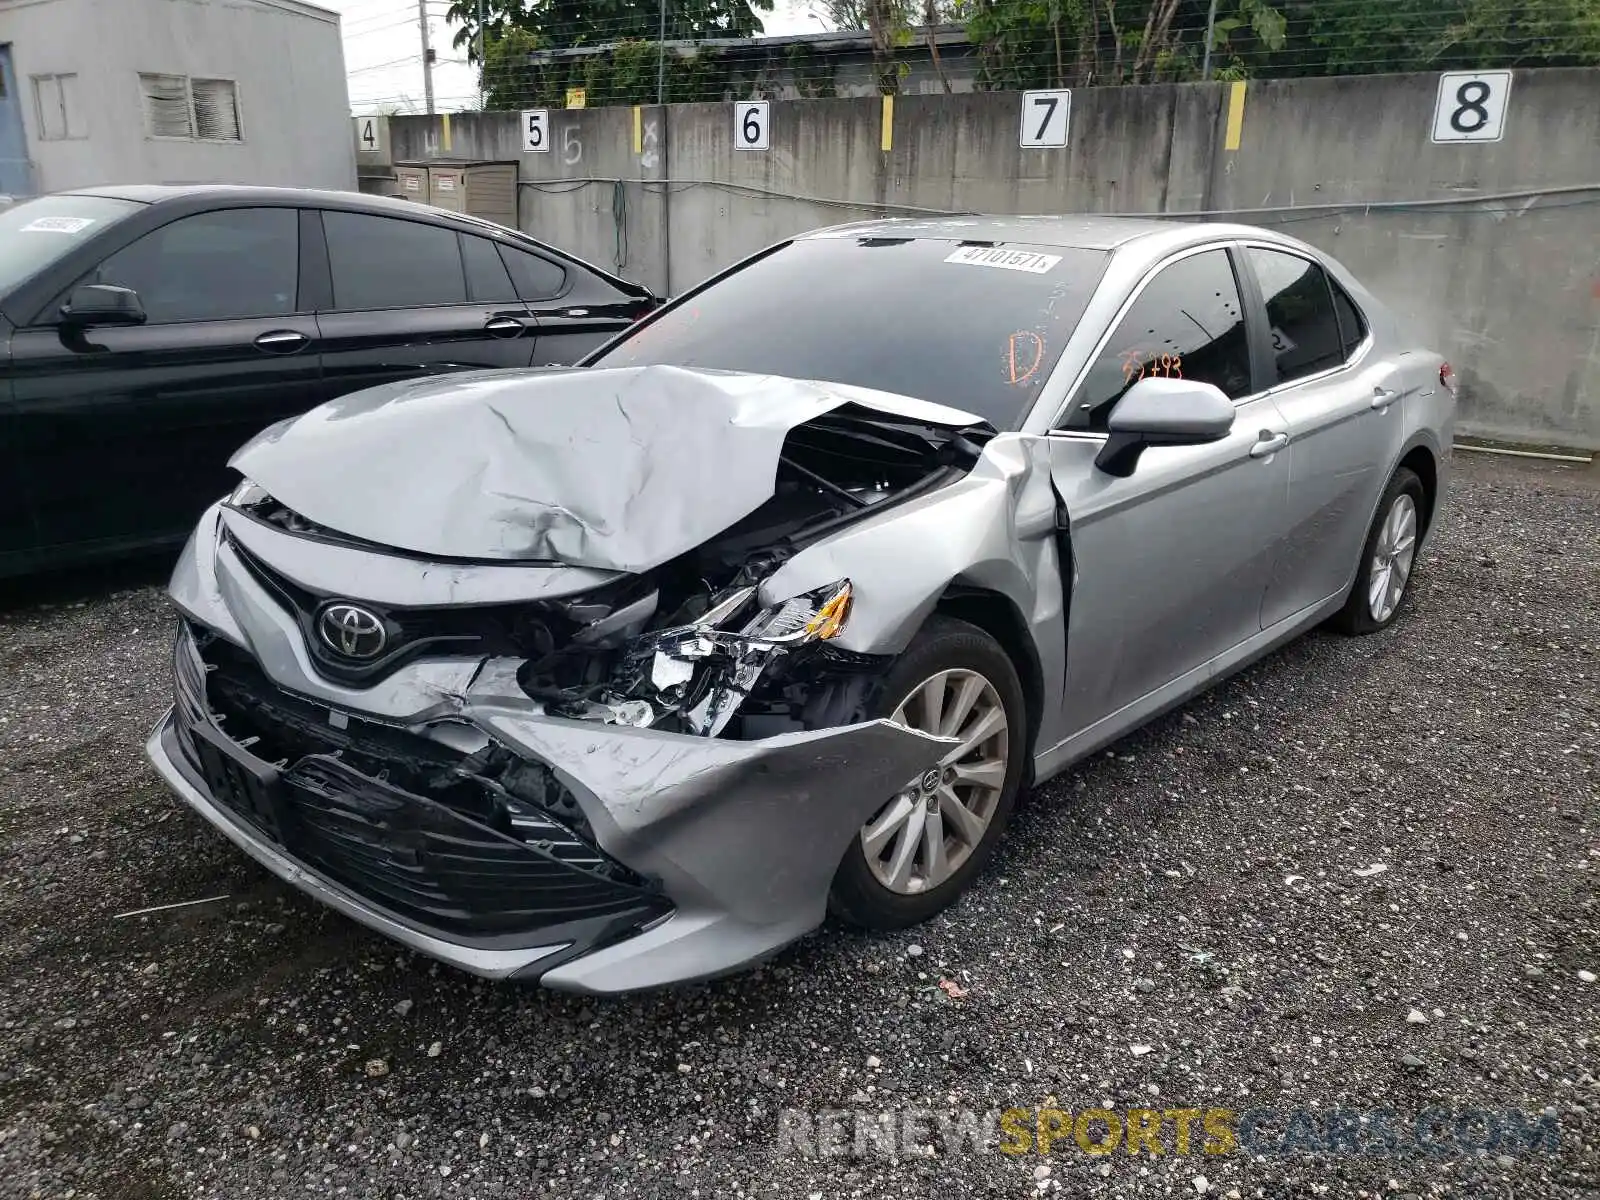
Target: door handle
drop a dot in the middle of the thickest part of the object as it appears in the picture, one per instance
(1269, 443)
(503, 326)
(1383, 397)
(282, 341)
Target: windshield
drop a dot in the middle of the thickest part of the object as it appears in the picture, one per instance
(35, 233)
(973, 326)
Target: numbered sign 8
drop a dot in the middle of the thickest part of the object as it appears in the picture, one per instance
(750, 125)
(536, 131)
(1045, 116)
(1471, 106)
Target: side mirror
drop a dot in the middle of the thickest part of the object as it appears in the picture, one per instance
(1163, 412)
(102, 304)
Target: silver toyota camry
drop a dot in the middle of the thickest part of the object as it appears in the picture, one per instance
(628, 673)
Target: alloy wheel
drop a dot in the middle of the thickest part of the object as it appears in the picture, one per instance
(1392, 556)
(930, 828)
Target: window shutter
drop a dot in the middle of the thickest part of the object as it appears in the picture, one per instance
(216, 109)
(166, 105)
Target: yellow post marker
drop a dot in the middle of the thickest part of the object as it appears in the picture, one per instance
(1235, 116)
(638, 130)
(888, 123)
(447, 133)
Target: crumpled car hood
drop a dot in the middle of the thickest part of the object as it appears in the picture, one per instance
(620, 468)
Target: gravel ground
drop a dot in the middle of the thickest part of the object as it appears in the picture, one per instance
(1204, 891)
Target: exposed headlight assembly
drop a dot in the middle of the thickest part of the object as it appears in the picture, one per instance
(247, 494)
(812, 617)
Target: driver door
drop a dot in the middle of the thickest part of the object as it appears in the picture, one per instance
(1170, 563)
(123, 433)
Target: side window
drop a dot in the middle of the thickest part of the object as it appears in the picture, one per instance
(1187, 323)
(385, 262)
(487, 280)
(216, 266)
(536, 277)
(1352, 326)
(1305, 333)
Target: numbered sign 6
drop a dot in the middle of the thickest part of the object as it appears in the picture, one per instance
(536, 131)
(1045, 116)
(750, 125)
(1471, 106)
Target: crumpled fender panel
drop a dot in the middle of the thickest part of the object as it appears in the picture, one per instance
(993, 529)
(619, 468)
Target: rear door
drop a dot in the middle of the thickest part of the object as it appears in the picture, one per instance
(578, 309)
(1346, 424)
(124, 432)
(405, 299)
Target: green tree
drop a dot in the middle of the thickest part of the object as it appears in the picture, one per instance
(560, 24)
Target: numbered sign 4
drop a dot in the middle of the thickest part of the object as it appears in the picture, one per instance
(750, 125)
(536, 131)
(370, 135)
(1045, 117)
(1471, 106)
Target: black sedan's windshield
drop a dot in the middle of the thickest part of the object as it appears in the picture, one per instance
(976, 326)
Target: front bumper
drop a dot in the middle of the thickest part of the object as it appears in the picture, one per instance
(695, 856)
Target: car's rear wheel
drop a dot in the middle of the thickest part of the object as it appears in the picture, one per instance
(917, 852)
(1387, 558)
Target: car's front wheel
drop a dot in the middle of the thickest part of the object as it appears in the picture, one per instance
(918, 851)
(1387, 558)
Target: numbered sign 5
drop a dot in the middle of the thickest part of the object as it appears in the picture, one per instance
(750, 125)
(1471, 106)
(1045, 117)
(536, 131)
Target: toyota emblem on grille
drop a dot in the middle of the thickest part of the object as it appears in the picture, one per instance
(352, 631)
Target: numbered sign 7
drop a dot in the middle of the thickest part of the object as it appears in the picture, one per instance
(536, 131)
(1045, 117)
(750, 125)
(1471, 106)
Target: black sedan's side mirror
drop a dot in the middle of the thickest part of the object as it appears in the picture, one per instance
(102, 304)
(1163, 412)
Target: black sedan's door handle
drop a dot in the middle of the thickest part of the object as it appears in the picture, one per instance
(282, 341)
(505, 327)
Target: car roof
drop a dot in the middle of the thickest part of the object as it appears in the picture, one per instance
(1079, 232)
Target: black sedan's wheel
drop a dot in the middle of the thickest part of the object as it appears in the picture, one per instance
(1386, 559)
(917, 852)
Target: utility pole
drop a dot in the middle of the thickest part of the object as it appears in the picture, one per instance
(661, 57)
(1211, 33)
(427, 54)
(483, 71)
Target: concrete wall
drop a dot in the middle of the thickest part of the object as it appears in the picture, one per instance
(1507, 288)
(286, 58)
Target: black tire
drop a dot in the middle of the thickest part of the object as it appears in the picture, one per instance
(942, 644)
(1355, 618)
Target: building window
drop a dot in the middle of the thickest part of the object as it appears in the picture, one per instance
(176, 106)
(55, 98)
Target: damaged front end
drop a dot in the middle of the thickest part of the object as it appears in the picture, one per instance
(607, 771)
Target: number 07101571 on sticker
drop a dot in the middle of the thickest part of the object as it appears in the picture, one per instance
(1007, 260)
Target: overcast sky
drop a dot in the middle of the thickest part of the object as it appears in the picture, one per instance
(383, 52)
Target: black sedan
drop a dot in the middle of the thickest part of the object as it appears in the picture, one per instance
(147, 332)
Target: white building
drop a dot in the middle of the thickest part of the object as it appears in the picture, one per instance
(172, 91)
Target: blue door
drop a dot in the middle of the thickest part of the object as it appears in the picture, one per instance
(15, 178)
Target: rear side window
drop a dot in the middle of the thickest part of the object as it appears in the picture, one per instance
(1187, 323)
(216, 266)
(1352, 326)
(537, 278)
(1304, 330)
(487, 280)
(383, 262)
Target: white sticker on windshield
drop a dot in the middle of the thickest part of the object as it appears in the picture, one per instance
(1010, 260)
(58, 225)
